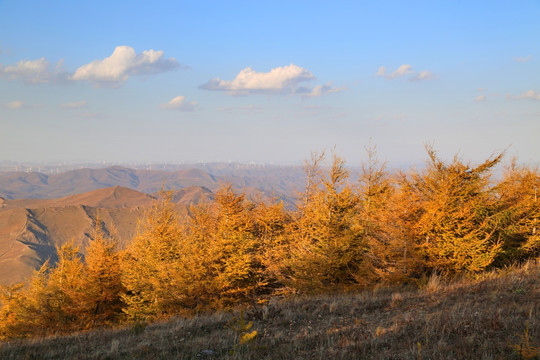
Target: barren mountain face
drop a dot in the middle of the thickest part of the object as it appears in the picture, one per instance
(39, 212)
(31, 229)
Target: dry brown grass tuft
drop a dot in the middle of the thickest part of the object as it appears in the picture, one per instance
(496, 316)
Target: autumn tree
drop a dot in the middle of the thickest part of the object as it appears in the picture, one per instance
(272, 225)
(225, 244)
(24, 309)
(49, 302)
(518, 200)
(65, 285)
(102, 289)
(327, 249)
(382, 210)
(453, 209)
(69, 296)
(150, 264)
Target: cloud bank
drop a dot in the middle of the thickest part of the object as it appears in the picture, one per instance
(528, 95)
(280, 80)
(37, 71)
(405, 70)
(124, 62)
(401, 71)
(111, 71)
(319, 90)
(180, 103)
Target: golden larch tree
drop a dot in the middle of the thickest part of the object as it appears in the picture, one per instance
(327, 250)
(149, 264)
(454, 207)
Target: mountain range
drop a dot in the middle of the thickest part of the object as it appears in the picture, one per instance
(271, 180)
(39, 212)
(32, 229)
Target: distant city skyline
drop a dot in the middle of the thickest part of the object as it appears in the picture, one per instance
(187, 82)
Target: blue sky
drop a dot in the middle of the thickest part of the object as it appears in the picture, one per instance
(180, 81)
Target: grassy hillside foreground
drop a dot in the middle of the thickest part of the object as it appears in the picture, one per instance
(494, 317)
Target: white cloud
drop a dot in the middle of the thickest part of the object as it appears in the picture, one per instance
(404, 70)
(381, 71)
(73, 105)
(523, 59)
(481, 98)
(180, 103)
(319, 90)
(124, 62)
(424, 75)
(530, 95)
(113, 70)
(34, 71)
(280, 80)
(17, 104)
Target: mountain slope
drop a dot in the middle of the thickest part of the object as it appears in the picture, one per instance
(494, 317)
(19, 185)
(31, 229)
(269, 181)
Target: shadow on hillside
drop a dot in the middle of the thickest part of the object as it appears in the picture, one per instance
(43, 252)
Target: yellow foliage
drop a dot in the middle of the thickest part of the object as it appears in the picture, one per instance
(225, 241)
(382, 210)
(519, 203)
(327, 249)
(453, 208)
(446, 219)
(150, 264)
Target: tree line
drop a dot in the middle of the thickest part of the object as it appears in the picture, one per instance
(450, 218)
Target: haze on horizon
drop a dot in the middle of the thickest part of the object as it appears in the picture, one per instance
(243, 81)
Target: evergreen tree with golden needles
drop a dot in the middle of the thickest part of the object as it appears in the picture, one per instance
(103, 290)
(327, 249)
(225, 262)
(69, 296)
(50, 301)
(454, 207)
(150, 263)
(391, 254)
(519, 203)
(25, 311)
(272, 223)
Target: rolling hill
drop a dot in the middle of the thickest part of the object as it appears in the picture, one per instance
(496, 316)
(280, 181)
(31, 229)
(39, 212)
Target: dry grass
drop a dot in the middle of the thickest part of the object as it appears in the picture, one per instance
(494, 317)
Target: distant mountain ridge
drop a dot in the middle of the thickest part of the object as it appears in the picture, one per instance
(39, 212)
(18, 185)
(270, 180)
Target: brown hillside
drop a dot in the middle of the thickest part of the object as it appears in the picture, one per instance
(191, 194)
(113, 197)
(31, 229)
(270, 180)
(16, 258)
